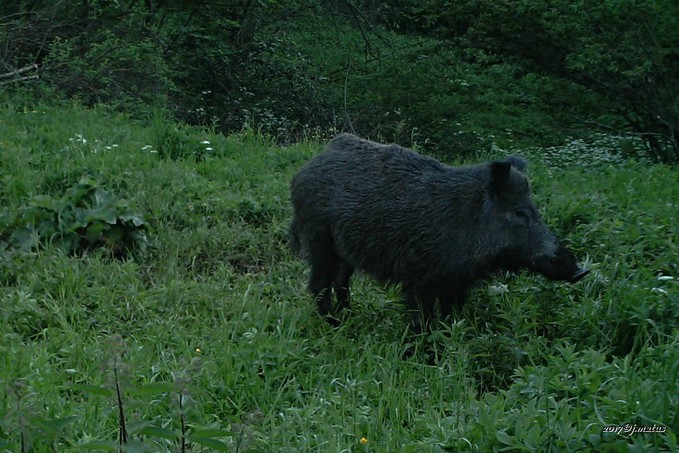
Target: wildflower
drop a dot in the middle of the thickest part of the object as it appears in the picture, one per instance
(205, 142)
(250, 334)
(498, 289)
(364, 440)
(198, 350)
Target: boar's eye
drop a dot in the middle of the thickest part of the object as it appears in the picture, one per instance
(522, 215)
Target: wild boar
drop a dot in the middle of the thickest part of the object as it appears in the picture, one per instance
(410, 219)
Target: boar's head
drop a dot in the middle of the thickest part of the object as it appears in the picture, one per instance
(518, 232)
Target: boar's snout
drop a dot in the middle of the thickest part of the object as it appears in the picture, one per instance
(561, 266)
(579, 273)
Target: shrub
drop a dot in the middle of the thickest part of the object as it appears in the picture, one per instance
(86, 217)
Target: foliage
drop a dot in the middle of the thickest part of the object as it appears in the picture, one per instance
(119, 67)
(634, 61)
(87, 50)
(421, 92)
(625, 50)
(85, 217)
(290, 69)
(209, 340)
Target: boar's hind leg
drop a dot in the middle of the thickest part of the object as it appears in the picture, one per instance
(324, 267)
(421, 308)
(341, 284)
(453, 300)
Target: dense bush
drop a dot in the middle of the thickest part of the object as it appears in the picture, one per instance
(87, 216)
(627, 51)
(303, 67)
(458, 77)
(118, 67)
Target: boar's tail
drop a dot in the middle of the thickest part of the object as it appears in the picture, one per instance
(293, 237)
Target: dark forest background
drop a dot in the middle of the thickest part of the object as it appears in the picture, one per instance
(455, 76)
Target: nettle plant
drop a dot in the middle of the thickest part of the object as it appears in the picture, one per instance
(86, 217)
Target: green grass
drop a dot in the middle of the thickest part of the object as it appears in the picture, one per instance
(210, 331)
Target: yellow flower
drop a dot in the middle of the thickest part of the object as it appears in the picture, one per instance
(198, 350)
(364, 441)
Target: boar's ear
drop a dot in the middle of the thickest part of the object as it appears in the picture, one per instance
(499, 172)
(517, 162)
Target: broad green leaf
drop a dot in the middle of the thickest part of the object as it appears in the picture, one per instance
(133, 428)
(46, 202)
(210, 442)
(88, 181)
(503, 437)
(136, 219)
(106, 212)
(55, 425)
(34, 215)
(75, 194)
(103, 198)
(156, 431)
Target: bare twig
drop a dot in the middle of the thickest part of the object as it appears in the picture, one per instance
(20, 71)
(182, 421)
(20, 79)
(346, 109)
(122, 427)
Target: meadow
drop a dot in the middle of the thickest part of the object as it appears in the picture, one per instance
(149, 302)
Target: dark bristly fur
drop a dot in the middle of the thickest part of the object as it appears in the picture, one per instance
(406, 218)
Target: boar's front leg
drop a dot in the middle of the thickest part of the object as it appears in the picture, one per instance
(420, 304)
(324, 268)
(341, 285)
(453, 299)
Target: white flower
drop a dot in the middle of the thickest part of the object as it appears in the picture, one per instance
(498, 289)
(250, 334)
